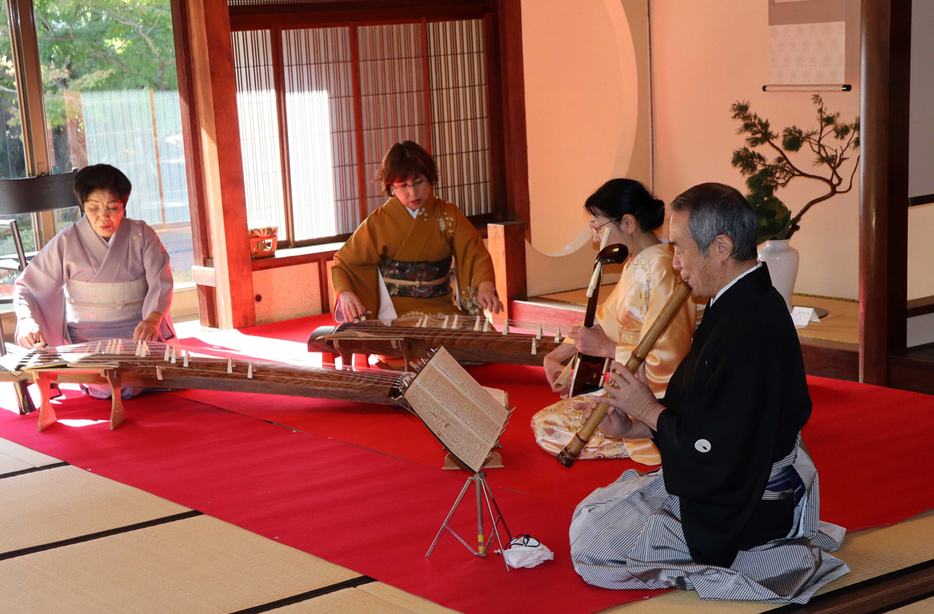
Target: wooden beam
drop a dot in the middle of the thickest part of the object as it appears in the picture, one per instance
(201, 242)
(507, 247)
(212, 107)
(883, 237)
(508, 19)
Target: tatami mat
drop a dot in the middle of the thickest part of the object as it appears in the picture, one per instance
(348, 600)
(66, 502)
(925, 606)
(189, 566)
(14, 457)
(403, 599)
(869, 554)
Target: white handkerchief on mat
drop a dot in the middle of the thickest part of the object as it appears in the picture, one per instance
(526, 551)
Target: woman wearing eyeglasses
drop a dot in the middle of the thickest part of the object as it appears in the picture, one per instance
(104, 277)
(632, 215)
(415, 254)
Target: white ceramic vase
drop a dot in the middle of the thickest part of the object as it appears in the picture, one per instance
(782, 260)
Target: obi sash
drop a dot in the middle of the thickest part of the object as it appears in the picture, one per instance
(784, 481)
(416, 279)
(105, 302)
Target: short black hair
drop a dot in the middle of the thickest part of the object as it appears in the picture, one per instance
(716, 209)
(101, 177)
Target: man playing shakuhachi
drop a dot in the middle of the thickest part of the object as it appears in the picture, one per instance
(104, 277)
(734, 511)
(631, 214)
(399, 260)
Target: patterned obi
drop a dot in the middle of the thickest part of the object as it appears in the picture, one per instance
(105, 302)
(417, 279)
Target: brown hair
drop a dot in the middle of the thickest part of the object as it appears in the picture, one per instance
(404, 160)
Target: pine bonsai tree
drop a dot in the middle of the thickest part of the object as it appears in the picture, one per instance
(764, 177)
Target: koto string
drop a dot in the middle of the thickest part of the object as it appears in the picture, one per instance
(463, 331)
(374, 379)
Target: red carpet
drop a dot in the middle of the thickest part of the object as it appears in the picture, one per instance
(872, 471)
(367, 511)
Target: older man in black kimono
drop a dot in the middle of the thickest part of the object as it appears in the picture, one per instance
(734, 512)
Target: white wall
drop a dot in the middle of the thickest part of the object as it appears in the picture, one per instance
(708, 55)
(582, 111)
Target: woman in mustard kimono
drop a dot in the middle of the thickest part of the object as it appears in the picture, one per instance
(402, 258)
(647, 281)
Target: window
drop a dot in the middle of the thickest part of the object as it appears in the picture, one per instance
(12, 156)
(111, 96)
(319, 106)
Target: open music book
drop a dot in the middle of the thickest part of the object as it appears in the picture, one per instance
(460, 412)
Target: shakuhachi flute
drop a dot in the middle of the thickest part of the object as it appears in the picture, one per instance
(572, 451)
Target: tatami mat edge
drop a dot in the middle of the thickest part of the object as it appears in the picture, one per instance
(14, 457)
(195, 565)
(44, 507)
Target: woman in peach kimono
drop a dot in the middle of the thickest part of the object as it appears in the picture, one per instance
(401, 260)
(631, 214)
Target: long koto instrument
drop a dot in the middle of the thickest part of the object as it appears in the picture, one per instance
(466, 338)
(160, 365)
(572, 451)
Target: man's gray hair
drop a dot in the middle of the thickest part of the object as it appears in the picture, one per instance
(716, 209)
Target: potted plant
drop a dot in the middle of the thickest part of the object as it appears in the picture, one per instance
(832, 144)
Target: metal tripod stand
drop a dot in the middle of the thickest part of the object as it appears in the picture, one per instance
(483, 494)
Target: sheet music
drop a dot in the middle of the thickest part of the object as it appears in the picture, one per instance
(458, 410)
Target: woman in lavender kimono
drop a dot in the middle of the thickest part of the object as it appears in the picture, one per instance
(104, 277)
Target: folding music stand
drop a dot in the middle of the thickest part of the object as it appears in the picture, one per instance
(478, 479)
(468, 421)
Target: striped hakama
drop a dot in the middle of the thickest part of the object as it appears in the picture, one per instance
(628, 535)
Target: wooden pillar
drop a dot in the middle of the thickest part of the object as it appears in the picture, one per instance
(507, 248)
(207, 85)
(512, 93)
(883, 240)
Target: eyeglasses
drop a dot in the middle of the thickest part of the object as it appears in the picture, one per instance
(405, 186)
(110, 209)
(596, 228)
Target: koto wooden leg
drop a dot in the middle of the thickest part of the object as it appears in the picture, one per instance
(117, 413)
(346, 354)
(26, 406)
(46, 412)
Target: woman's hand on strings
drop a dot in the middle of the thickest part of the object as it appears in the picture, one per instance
(148, 329)
(29, 335)
(625, 392)
(351, 306)
(592, 341)
(554, 364)
(486, 296)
